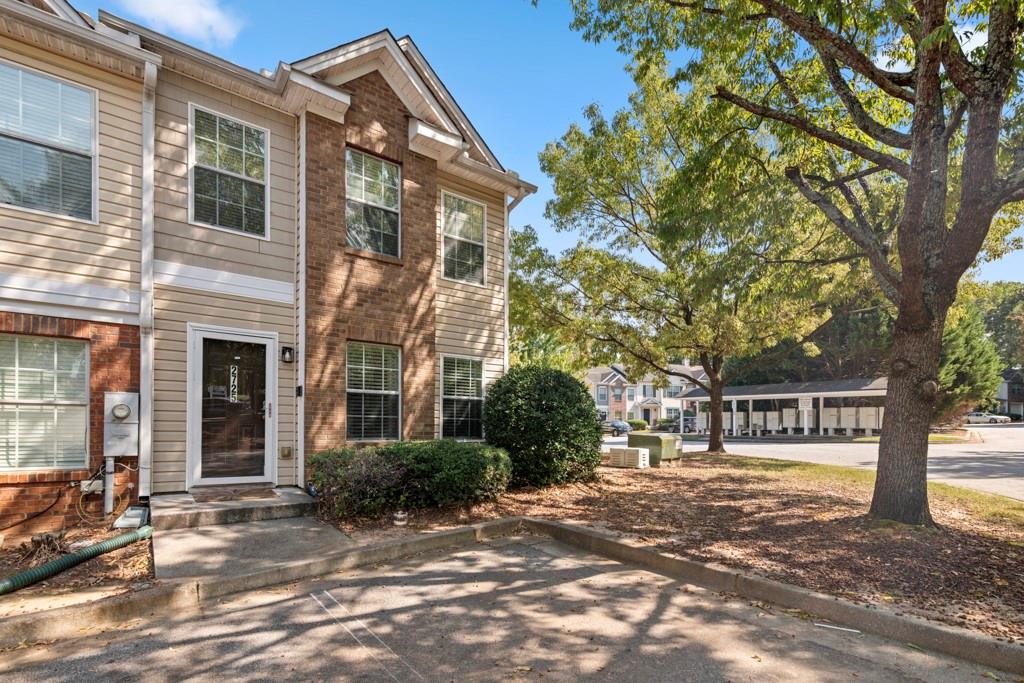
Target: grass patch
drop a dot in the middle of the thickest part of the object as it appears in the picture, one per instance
(988, 506)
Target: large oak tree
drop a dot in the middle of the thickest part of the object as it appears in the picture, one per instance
(908, 141)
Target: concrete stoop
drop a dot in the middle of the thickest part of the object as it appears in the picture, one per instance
(237, 537)
(181, 511)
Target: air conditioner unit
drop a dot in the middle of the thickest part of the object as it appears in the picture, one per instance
(636, 458)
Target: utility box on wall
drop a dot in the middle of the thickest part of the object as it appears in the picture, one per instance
(120, 424)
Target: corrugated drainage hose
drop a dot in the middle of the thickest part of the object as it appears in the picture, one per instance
(45, 571)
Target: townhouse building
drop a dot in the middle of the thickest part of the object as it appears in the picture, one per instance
(618, 397)
(208, 273)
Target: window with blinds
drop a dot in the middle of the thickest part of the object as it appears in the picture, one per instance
(463, 239)
(47, 143)
(373, 378)
(462, 398)
(372, 203)
(44, 403)
(229, 188)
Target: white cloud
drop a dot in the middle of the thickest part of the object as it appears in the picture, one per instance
(203, 21)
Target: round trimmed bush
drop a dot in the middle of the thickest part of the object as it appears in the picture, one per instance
(637, 425)
(547, 421)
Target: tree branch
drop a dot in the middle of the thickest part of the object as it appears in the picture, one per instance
(860, 116)
(863, 238)
(876, 157)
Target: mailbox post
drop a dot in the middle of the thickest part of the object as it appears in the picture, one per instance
(806, 406)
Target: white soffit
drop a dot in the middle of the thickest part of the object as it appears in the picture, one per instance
(380, 52)
(433, 142)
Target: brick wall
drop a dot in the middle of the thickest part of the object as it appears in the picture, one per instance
(113, 366)
(358, 296)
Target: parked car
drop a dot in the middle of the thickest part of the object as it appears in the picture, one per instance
(615, 427)
(980, 417)
(689, 426)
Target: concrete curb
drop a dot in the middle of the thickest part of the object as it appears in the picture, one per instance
(950, 640)
(188, 596)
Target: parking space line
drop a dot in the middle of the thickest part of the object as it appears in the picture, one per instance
(354, 636)
(370, 631)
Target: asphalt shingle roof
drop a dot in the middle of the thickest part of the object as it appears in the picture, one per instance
(798, 388)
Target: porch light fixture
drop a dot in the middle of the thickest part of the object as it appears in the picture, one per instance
(287, 354)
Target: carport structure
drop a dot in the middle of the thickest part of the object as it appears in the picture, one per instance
(827, 406)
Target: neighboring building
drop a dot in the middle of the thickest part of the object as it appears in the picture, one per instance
(1010, 397)
(263, 264)
(619, 398)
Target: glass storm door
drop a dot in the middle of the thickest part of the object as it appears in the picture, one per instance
(234, 434)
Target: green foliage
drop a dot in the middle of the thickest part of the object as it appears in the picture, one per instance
(637, 425)
(408, 475)
(1002, 304)
(970, 369)
(547, 421)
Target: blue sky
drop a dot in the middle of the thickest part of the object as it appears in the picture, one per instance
(518, 71)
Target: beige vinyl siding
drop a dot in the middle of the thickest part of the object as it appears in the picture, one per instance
(471, 317)
(194, 245)
(58, 248)
(175, 308)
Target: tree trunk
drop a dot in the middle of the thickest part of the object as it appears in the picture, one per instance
(901, 485)
(715, 442)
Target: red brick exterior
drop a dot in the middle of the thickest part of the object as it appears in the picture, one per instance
(357, 296)
(113, 366)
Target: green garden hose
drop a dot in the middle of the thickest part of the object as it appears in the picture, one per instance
(45, 571)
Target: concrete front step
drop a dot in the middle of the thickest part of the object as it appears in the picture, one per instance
(181, 511)
(244, 548)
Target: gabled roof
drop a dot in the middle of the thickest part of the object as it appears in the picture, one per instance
(62, 9)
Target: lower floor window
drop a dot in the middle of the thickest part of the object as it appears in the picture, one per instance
(373, 398)
(44, 403)
(672, 413)
(462, 398)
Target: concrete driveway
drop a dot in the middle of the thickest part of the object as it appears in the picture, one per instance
(520, 608)
(995, 466)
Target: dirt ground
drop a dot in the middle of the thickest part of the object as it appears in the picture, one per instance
(119, 571)
(798, 523)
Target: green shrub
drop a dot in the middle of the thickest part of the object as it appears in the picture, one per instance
(450, 472)
(637, 425)
(408, 475)
(547, 421)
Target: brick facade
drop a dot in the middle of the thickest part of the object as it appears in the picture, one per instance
(358, 296)
(113, 366)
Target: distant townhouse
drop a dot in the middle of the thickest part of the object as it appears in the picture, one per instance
(207, 273)
(1010, 396)
(617, 397)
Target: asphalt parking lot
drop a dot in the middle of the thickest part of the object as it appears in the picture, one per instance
(520, 608)
(994, 465)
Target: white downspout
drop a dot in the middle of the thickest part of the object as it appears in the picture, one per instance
(146, 314)
(507, 293)
(300, 264)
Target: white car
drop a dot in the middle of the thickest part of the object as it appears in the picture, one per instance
(985, 418)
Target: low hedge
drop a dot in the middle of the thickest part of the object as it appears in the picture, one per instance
(637, 425)
(408, 475)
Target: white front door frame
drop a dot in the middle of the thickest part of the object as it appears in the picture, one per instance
(197, 332)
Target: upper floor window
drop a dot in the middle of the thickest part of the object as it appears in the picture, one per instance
(602, 394)
(630, 394)
(372, 203)
(617, 393)
(44, 403)
(47, 143)
(648, 391)
(462, 398)
(674, 390)
(464, 229)
(229, 187)
(373, 379)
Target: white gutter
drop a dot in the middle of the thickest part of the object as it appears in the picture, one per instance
(507, 293)
(146, 370)
(300, 351)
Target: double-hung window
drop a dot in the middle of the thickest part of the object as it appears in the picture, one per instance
(372, 203)
(373, 398)
(462, 398)
(44, 403)
(602, 395)
(630, 394)
(229, 187)
(47, 143)
(464, 229)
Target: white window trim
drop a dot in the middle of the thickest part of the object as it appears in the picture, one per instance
(482, 399)
(375, 204)
(375, 392)
(599, 400)
(444, 193)
(94, 154)
(192, 107)
(87, 404)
